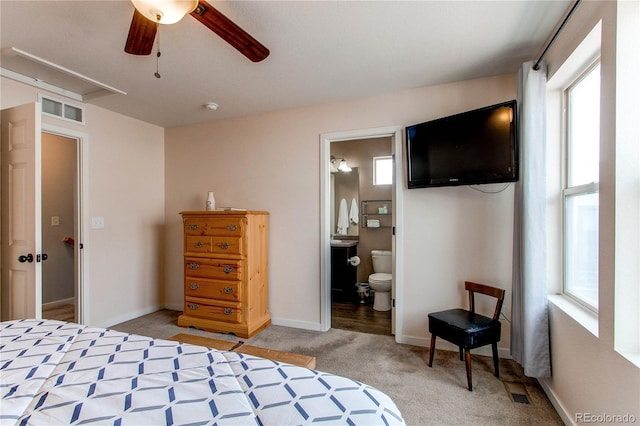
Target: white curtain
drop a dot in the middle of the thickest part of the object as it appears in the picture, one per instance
(530, 325)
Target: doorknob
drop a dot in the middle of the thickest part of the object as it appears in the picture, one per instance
(43, 256)
(27, 258)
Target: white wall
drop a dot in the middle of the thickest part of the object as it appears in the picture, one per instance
(125, 185)
(271, 162)
(589, 376)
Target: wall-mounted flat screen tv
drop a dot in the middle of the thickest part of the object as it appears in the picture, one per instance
(473, 147)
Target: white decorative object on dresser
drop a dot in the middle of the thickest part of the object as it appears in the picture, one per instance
(226, 275)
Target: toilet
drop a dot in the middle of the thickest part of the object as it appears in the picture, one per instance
(380, 280)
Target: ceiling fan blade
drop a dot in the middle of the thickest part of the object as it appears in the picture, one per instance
(230, 32)
(142, 34)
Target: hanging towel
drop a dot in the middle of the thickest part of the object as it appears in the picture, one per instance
(343, 218)
(353, 212)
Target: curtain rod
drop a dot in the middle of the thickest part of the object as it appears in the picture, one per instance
(544, 52)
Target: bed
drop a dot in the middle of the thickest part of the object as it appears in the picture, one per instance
(53, 372)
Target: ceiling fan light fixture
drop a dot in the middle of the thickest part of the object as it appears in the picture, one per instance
(165, 11)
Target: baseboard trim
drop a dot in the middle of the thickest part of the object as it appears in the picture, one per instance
(58, 303)
(129, 316)
(174, 307)
(560, 408)
(304, 325)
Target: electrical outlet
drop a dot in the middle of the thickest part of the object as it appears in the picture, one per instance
(97, 223)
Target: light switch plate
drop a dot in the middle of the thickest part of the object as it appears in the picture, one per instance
(55, 220)
(97, 223)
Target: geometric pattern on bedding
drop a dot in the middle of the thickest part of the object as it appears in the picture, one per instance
(311, 396)
(105, 376)
(53, 372)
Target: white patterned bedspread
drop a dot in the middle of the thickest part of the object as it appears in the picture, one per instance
(53, 372)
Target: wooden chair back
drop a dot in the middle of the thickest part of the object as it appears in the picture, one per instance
(498, 293)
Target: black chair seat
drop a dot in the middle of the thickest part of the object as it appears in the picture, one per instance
(464, 328)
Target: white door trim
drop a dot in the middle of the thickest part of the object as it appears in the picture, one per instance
(82, 215)
(394, 132)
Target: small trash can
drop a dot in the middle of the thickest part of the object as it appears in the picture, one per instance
(362, 293)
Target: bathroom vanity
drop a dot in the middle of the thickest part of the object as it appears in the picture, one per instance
(343, 274)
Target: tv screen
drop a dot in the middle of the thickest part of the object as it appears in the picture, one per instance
(473, 147)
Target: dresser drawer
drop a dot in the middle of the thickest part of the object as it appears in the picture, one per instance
(198, 244)
(222, 226)
(203, 308)
(226, 245)
(212, 289)
(213, 269)
(214, 245)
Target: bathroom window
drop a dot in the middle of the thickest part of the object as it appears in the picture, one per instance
(383, 170)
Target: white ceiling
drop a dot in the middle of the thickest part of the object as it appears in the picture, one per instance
(321, 51)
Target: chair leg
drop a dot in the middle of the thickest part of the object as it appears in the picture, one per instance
(432, 349)
(496, 367)
(467, 362)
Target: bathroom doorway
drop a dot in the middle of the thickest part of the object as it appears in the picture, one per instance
(374, 226)
(359, 229)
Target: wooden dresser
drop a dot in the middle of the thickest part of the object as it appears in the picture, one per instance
(226, 276)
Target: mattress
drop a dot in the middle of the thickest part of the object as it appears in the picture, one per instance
(53, 372)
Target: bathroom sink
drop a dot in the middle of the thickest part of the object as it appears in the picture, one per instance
(343, 243)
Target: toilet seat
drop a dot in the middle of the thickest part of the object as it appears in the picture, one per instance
(381, 283)
(380, 277)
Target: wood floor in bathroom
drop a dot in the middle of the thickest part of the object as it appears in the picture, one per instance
(363, 318)
(60, 313)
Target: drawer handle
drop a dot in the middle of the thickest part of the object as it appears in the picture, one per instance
(199, 244)
(227, 311)
(192, 306)
(194, 286)
(228, 290)
(193, 226)
(231, 227)
(228, 269)
(193, 266)
(224, 245)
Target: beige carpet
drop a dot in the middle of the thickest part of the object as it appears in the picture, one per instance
(425, 396)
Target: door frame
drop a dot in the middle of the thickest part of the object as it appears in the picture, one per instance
(81, 215)
(394, 132)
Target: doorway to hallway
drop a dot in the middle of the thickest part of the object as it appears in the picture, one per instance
(59, 174)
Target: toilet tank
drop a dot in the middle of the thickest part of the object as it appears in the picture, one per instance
(381, 261)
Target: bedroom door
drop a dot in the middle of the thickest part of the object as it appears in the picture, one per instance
(21, 242)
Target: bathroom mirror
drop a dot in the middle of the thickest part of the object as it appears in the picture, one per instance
(346, 203)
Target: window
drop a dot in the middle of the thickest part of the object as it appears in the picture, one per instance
(580, 195)
(383, 170)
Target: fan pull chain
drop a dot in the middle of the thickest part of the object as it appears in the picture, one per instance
(157, 73)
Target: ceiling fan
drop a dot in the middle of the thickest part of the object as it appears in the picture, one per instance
(149, 13)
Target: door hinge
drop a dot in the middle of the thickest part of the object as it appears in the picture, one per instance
(393, 303)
